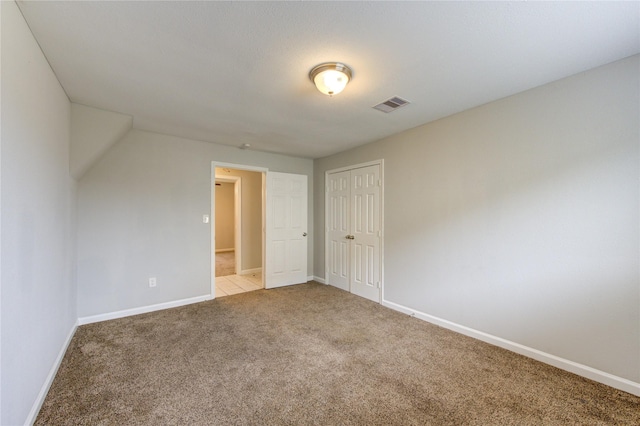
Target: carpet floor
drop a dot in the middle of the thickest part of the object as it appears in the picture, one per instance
(315, 355)
(225, 263)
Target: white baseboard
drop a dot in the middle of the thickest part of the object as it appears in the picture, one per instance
(564, 364)
(317, 279)
(224, 250)
(142, 310)
(251, 271)
(37, 405)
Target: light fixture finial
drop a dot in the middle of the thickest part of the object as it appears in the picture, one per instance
(330, 77)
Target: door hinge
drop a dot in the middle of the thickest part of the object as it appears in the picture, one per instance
(379, 182)
(378, 284)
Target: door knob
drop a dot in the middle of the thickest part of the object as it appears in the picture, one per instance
(350, 237)
(304, 234)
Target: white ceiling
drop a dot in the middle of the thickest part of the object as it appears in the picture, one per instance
(237, 72)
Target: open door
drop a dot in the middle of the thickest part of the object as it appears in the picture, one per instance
(286, 231)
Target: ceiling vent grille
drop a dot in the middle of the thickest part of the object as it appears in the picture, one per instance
(391, 104)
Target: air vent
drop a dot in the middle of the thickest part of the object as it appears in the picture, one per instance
(391, 104)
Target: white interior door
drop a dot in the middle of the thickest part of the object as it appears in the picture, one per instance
(353, 231)
(338, 229)
(365, 232)
(286, 254)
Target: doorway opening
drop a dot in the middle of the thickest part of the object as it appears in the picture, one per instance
(237, 241)
(228, 218)
(272, 227)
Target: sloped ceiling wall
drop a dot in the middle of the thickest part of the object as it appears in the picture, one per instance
(93, 132)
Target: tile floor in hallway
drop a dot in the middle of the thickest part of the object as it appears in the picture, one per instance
(235, 284)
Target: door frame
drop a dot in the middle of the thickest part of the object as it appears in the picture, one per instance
(237, 217)
(380, 163)
(212, 233)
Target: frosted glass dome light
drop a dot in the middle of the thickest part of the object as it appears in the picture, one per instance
(330, 77)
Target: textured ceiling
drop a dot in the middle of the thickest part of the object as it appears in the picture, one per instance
(236, 72)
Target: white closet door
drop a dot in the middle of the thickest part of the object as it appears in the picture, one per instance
(365, 229)
(338, 229)
(286, 255)
(353, 231)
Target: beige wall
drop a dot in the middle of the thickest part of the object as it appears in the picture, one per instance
(39, 308)
(224, 217)
(140, 213)
(520, 218)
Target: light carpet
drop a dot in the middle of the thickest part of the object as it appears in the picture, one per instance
(225, 263)
(315, 355)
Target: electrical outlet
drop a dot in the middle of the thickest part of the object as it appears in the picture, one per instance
(152, 282)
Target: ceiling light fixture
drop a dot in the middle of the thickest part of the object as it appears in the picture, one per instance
(330, 77)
